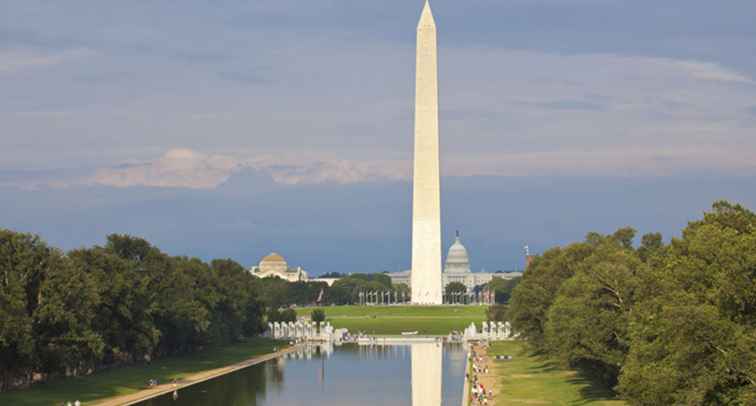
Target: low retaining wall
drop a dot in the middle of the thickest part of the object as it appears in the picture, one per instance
(200, 377)
(466, 389)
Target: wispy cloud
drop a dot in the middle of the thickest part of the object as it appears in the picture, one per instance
(189, 169)
(178, 168)
(714, 72)
(185, 168)
(12, 60)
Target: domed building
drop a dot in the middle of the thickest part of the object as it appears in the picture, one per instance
(457, 269)
(457, 261)
(275, 265)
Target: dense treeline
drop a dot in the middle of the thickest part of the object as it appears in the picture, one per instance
(346, 291)
(503, 289)
(278, 293)
(70, 314)
(664, 324)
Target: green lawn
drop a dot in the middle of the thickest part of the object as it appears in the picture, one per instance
(529, 379)
(127, 380)
(431, 320)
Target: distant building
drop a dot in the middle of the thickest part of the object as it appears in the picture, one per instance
(457, 269)
(275, 265)
(327, 281)
(528, 257)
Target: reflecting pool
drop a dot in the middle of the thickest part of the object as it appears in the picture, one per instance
(417, 374)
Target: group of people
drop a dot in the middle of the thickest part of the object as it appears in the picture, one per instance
(480, 394)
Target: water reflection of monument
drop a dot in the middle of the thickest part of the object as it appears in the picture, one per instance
(427, 365)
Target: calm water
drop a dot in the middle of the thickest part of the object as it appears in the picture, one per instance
(420, 374)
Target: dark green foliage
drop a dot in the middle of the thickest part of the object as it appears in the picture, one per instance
(537, 291)
(284, 316)
(72, 314)
(288, 315)
(693, 337)
(23, 268)
(318, 315)
(455, 287)
(503, 288)
(496, 312)
(603, 287)
(346, 290)
(668, 324)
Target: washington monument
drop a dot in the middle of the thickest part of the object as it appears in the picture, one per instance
(426, 200)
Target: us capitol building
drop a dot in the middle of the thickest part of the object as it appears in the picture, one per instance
(457, 269)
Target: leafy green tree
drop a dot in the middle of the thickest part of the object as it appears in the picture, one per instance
(23, 264)
(537, 291)
(402, 291)
(288, 315)
(497, 312)
(273, 292)
(318, 316)
(453, 289)
(651, 247)
(503, 288)
(123, 314)
(624, 236)
(71, 314)
(693, 338)
(64, 328)
(130, 248)
(587, 324)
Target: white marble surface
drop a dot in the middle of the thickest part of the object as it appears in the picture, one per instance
(426, 201)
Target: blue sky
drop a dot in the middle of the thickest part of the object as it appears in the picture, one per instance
(140, 107)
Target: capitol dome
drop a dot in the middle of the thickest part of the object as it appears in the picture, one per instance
(457, 260)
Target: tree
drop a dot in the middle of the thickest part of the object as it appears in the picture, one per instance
(123, 314)
(503, 288)
(22, 268)
(496, 312)
(542, 280)
(454, 292)
(63, 322)
(651, 247)
(318, 316)
(693, 338)
(288, 315)
(272, 291)
(587, 324)
(624, 236)
(402, 291)
(130, 248)
(71, 314)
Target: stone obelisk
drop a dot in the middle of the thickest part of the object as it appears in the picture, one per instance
(426, 199)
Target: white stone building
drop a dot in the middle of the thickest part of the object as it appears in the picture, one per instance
(275, 265)
(457, 269)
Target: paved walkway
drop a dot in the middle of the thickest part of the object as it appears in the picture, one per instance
(485, 375)
(188, 381)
